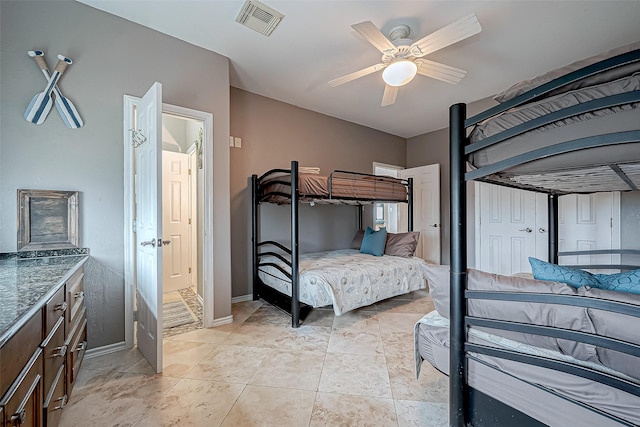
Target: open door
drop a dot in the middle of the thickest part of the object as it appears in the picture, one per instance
(149, 226)
(426, 210)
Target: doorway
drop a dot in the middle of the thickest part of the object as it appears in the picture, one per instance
(201, 277)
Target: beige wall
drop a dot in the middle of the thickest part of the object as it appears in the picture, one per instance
(274, 133)
(112, 57)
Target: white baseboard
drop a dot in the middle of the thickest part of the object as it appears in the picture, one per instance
(242, 298)
(223, 321)
(105, 349)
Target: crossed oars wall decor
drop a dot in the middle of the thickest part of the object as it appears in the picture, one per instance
(41, 103)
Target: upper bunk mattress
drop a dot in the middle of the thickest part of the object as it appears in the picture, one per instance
(341, 188)
(600, 122)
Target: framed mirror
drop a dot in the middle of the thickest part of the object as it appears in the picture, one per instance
(47, 219)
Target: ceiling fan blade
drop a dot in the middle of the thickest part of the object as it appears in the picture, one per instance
(390, 95)
(445, 36)
(356, 74)
(439, 71)
(373, 35)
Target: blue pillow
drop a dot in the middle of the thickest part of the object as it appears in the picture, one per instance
(555, 273)
(628, 281)
(373, 242)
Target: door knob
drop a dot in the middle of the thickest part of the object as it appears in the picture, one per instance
(541, 230)
(435, 225)
(151, 243)
(527, 230)
(166, 242)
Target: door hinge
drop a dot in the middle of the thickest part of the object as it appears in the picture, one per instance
(610, 222)
(189, 221)
(189, 270)
(189, 173)
(134, 225)
(135, 315)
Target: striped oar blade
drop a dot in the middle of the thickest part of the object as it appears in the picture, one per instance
(41, 103)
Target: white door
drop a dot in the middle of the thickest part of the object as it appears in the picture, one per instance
(586, 222)
(426, 210)
(512, 227)
(149, 227)
(175, 221)
(193, 220)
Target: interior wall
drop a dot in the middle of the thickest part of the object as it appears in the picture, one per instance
(274, 133)
(112, 57)
(433, 147)
(630, 225)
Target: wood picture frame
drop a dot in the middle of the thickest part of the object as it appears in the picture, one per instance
(47, 219)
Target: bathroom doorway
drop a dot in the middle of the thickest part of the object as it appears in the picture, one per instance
(199, 247)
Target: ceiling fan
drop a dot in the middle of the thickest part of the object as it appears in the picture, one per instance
(402, 58)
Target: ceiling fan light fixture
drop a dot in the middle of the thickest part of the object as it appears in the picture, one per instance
(399, 73)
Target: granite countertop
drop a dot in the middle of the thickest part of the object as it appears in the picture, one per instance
(26, 284)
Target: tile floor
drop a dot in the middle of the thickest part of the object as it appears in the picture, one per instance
(353, 370)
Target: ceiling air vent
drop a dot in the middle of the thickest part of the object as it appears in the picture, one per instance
(259, 17)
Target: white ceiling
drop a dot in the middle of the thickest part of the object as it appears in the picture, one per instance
(315, 43)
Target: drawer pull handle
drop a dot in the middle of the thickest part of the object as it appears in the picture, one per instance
(61, 307)
(79, 294)
(59, 351)
(63, 402)
(19, 417)
(82, 346)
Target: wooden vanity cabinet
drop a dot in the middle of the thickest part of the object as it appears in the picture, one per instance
(39, 364)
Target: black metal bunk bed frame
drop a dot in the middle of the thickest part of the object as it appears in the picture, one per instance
(291, 304)
(472, 407)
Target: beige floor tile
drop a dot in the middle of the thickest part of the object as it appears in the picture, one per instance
(320, 317)
(308, 338)
(398, 344)
(339, 410)
(171, 297)
(432, 386)
(193, 403)
(117, 361)
(421, 306)
(230, 364)
(356, 341)
(205, 335)
(363, 375)
(242, 310)
(422, 414)
(179, 357)
(112, 398)
(254, 335)
(269, 315)
(358, 319)
(270, 406)
(290, 369)
(398, 322)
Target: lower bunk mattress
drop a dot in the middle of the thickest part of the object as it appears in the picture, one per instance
(552, 397)
(346, 278)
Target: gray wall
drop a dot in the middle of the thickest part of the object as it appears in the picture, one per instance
(112, 57)
(274, 133)
(433, 147)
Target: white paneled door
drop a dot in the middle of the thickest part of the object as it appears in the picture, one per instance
(426, 209)
(149, 227)
(175, 221)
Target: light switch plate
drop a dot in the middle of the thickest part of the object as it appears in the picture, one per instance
(230, 141)
(238, 142)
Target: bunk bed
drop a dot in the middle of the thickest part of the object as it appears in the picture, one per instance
(298, 282)
(521, 351)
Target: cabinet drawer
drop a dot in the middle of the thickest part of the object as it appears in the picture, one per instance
(76, 349)
(55, 400)
(55, 352)
(53, 309)
(23, 402)
(75, 296)
(17, 351)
